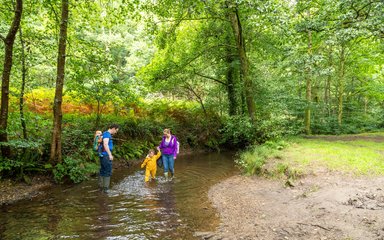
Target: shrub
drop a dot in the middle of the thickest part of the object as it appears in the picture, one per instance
(74, 169)
(252, 160)
(238, 131)
(26, 157)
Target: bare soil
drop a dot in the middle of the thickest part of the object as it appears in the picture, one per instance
(321, 205)
(324, 206)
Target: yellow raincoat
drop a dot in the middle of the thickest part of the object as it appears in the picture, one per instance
(150, 162)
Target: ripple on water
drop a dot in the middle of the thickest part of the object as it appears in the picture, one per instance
(131, 210)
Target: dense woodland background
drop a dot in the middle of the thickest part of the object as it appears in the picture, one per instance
(222, 74)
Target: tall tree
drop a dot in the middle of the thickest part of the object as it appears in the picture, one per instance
(308, 76)
(8, 42)
(341, 85)
(327, 87)
(56, 154)
(22, 90)
(237, 28)
(231, 81)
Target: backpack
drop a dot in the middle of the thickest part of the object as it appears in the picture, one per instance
(97, 143)
(177, 146)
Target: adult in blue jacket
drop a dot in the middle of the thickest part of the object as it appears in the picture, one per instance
(106, 157)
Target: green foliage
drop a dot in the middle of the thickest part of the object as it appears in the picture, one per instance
(252, 160)
(355, 121)
(37, 127)
(76, 136)
(153, 65)
(135, 138)
(132, 150)
(26, 158)
(75, 169)
(287, 171)
(186, 120)
(144, 129)
(239, 131)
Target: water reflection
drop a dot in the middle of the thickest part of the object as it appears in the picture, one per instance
(132, 209)
(102, 219)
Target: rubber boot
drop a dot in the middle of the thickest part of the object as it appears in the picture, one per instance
(101, 183)
(172, 176)
(107, 180)
(166, 176)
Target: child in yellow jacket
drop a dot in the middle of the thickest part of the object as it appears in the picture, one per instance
(150, 163)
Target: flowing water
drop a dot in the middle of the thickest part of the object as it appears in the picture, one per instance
(132, 209)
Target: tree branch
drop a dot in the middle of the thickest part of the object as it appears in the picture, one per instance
(179, 67)
(190, 19)
(208, 77)
(358, 11)
(227, 45)
(199, 98)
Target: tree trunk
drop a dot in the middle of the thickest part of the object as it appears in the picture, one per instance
(56, 155)
(244, 62)
(8, 55)
(365, 105)
(231, 84)
(22, 90)
(327, 89)
(308, 95)
(341, 85)
(243, 103)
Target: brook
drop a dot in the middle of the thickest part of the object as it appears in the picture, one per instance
(132, 209)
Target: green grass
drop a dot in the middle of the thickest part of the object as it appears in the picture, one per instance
(252, 160)
(360, 157)
(372, 134)
(361, 154)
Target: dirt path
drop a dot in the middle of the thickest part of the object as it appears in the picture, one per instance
(326, 206)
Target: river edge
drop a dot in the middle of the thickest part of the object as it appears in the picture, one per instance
(12, 191)
(327, 205)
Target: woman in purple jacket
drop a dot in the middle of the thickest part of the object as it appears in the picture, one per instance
(168, 148)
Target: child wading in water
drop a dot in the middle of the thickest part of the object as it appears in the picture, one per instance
(150, 163)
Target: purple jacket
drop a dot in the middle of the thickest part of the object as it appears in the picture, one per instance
(171, 149)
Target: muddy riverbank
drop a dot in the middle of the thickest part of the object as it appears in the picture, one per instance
(327, 205)
(12, 191)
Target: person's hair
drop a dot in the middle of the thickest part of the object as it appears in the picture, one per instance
(167, 130)
(114, 125)
(151, 151)
(98, 132)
